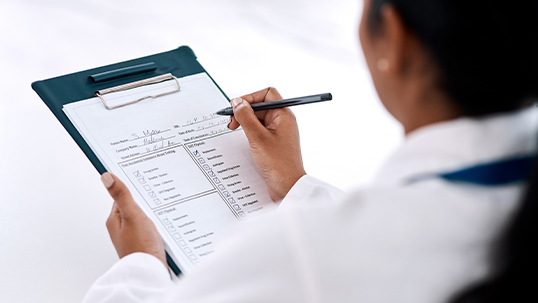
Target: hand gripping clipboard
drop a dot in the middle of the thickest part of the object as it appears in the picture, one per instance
(57, 92)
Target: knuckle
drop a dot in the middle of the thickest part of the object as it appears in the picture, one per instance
(241, 111)
(109, 223)
(118, 193)
(272, 89)
(273, 93)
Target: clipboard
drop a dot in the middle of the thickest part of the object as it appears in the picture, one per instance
(58, 91)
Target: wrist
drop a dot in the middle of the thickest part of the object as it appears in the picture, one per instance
(288, 184)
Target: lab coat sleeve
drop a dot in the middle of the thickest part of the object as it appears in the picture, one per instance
(138, 277)
(311, 190)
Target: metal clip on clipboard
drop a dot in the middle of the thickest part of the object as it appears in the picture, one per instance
(127, 86)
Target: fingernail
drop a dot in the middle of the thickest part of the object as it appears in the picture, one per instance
(107, 180)
(236, 101)
(229, 121)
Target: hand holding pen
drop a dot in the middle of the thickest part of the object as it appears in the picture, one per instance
(273, 136)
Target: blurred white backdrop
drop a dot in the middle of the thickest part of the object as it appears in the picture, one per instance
(53, 242)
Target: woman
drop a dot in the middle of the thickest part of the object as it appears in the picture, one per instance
(457, 75)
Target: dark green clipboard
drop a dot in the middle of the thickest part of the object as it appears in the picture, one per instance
(74, 87)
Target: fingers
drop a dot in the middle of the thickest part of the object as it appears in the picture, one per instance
(114, 220)
(264, 95)
(125, 206)
(244, 115)
(233, 124)
(281, 118)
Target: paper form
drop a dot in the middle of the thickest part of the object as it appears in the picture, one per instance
(186, 170)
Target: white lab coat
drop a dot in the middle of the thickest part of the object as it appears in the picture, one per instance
(390, 242)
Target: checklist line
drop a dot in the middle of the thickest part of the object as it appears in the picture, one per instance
(186, 199)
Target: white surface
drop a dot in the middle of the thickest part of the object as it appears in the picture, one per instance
(53, 241)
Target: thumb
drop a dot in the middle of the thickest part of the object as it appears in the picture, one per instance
(121, 195)
(244, 114)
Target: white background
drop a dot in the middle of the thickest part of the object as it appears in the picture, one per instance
(53, 241)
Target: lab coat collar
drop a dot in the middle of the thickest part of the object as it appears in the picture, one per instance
(460, 143)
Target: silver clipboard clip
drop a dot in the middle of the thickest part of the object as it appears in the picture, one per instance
(127, 86)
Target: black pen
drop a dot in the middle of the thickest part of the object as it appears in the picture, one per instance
(228, 111)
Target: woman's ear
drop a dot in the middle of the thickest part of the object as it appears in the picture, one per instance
(402, 48)
(393, 40)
